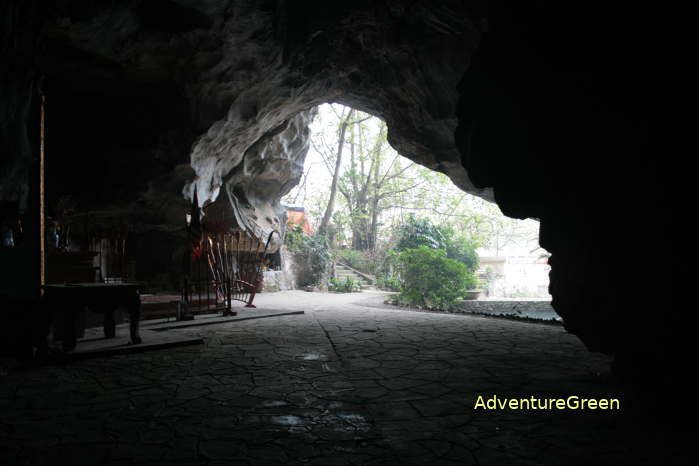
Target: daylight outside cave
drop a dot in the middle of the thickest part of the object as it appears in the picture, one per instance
(146, 149)
(370, 204)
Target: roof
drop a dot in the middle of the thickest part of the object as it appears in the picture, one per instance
(294, 217)
(294, 208)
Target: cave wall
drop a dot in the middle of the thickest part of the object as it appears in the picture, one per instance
(556, 113)
(20, 23)
(134, 86)
(542, 107)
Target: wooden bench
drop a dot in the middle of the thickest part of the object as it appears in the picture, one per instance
(63, 302)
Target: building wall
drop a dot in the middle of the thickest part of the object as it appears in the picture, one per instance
(517, 276)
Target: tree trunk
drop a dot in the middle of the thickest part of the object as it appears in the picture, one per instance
(373, 229)
(374, 223)
(361, 184)
(322, 229)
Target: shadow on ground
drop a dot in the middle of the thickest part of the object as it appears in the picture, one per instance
(348, 382)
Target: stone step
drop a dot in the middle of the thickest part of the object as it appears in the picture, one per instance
(355, 280)
(353, 277)
(349, 274)
(342, 272)
(342, 267)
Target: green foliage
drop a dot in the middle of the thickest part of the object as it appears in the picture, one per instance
(379, 263)
(460, 248)
(346, 286)
(388, 283)
(415, 232)
(319, 259)
(294, 238)
(311, 253)
(358, 260)
(375, 188)
(430, 278)
(385, 263)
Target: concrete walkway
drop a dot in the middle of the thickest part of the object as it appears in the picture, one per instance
(351, 381)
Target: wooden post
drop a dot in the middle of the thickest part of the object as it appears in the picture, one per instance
(42, 226)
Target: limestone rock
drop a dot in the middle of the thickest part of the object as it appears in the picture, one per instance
(247, 69)
(547, 108)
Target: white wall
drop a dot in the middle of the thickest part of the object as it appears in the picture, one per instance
(520, 274)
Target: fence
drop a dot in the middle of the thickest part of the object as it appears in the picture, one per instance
(226, 267)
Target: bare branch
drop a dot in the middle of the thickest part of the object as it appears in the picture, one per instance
(399, 173)
(356, 122)
(391, 193)
(324, 157)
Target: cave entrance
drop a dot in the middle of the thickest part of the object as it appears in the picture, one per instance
(374, 210)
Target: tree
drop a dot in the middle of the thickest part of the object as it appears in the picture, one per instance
(416, 232)
(373, 182)
(344, 122)
(460, 248)
(379, 190)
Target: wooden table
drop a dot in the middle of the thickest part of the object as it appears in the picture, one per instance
(63, 301)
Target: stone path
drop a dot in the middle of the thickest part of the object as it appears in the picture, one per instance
(348, 382)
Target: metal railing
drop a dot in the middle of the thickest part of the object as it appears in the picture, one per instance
(226, 268)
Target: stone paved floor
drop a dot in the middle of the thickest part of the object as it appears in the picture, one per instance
(348, 382)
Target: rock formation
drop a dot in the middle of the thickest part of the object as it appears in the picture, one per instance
(536, 107)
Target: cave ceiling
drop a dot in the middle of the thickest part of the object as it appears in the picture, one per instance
(249, 73)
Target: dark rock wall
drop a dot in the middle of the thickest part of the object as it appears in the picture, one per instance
(543, 107)
(556, 114)
(20, 23)
(137, 90)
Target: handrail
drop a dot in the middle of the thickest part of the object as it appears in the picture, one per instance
(370, 278)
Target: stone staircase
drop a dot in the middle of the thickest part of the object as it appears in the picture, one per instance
(342, 272)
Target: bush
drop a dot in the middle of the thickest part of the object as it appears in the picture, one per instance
(415, 232)
(294, 238)
(460, 249)
(346, 286)
(429, 278)
(311, 254)
(388, 283)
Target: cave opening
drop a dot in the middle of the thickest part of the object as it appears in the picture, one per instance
(361, 195)
(548, 109)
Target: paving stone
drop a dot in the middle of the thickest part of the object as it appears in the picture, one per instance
(222, 449)
(350, 382)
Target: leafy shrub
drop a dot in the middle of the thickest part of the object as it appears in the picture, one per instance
(319, 259)
(460, 248)
(311, 254)
(415, 232)
(346, 286)
(378, 262)
(430, 278)
(294, 238)
(388, 283)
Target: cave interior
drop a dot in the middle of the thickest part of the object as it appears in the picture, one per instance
(544, 108)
